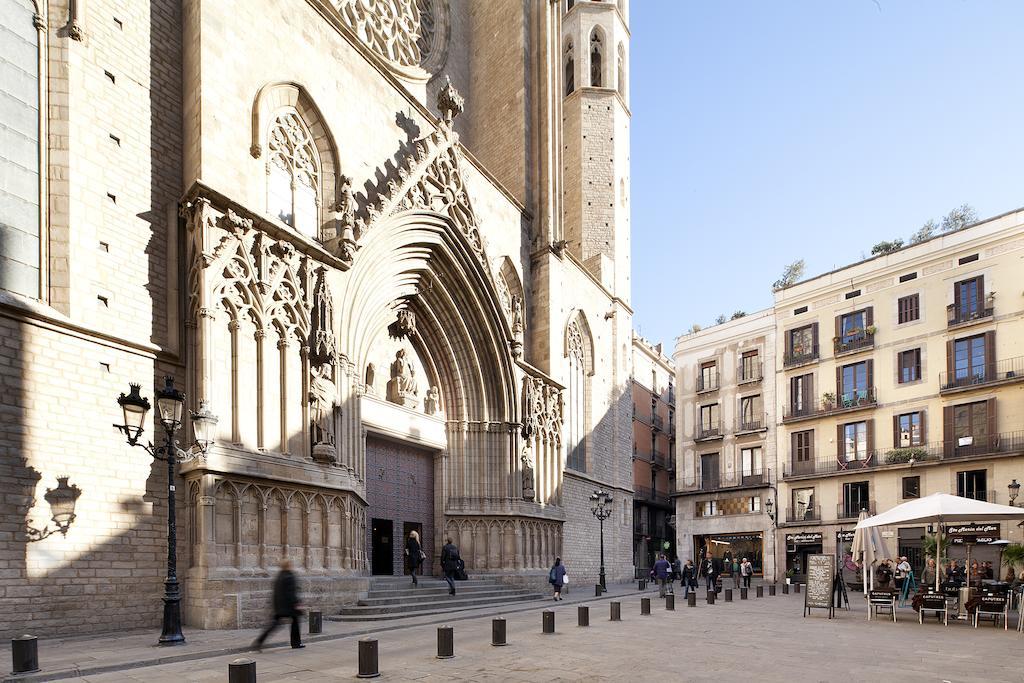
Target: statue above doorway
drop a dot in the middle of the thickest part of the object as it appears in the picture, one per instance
(402, 387)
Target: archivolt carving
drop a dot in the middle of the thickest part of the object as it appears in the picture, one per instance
(411, 35)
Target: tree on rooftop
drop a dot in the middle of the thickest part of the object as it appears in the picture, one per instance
(793, 272)
(886, 247)
(925, 232)
(959, 218)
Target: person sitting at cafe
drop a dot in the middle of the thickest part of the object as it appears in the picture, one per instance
(928, 576)
(989, 572)
(883, 575)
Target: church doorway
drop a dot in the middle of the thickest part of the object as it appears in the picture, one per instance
(400, 494)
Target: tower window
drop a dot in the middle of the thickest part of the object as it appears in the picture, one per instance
(569, 70)
(621, 84)
(596, 53)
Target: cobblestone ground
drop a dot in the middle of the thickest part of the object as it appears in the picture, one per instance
(753, 640)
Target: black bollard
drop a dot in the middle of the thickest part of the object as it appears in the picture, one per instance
(728, 595)
(583, 615)
(785, 589)
(242, 670)
(616, 610)
(645, 605)
(760, 591)
(548, 621)
(711, 597)
(368, 658)
(771, 591)
(25, 653)
(743, 593)
(445, 642)
(796, 588)
(316, 621)
(597, 590)
(670, 601)
(691, 599)
(498, 632)
(642, 585)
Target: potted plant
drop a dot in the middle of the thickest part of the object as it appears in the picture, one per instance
(871, 329)
(789, 575)
(828, 399)
(1013, 556)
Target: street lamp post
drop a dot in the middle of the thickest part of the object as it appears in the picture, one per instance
(601, 507)
(769, 506)
(170, 404)
(1014, 489)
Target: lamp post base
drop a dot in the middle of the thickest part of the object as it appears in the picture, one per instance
(171, 633)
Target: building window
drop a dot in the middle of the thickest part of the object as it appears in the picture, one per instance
(911, 487)
(855, 384)
(569, 4)
(855, 442)
(803, 505)
(969, 359)
(971, 420)
(570, 69)
(709, 420)
(754, 504)
(750, 368)
(708, 378)
(751, 461)
(909, 430)
(908, 308)
(852, 327)
(709, 508)
(801, 394)
(855, 499)
(972, 484)
(293, 176)
(751, 413)
(803, 446)
(969, 299)
(622, 70)
(909, 364)
(577, 457)
(596, 55)
(801, 343)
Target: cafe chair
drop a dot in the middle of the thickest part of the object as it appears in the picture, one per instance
(993, 607)
(881, 600)
(934, 602)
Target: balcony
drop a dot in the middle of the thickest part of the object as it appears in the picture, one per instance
(659, 460)
(706, 384)
(708, 432)
(751, 372)
(800, 356)
(853, 344)
(808, 514)
(647, 495)
(1002, 372)
(1005, 444)
(964, 315)
(852, 509)
(984, 496)
(746, 425)
(714, 482)
(658, 422)
(846, 402)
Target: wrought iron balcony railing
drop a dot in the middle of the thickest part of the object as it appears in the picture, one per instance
(709, 431)
(749, 372)
(800, 355)
(709, 383)
(1008, 370)
(811, 513)
(852, 509)
(829, 405)
(864, 340)
(960, 315)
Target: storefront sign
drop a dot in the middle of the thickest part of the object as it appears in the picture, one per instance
(809, 538)
(972, 533)
(844, 536)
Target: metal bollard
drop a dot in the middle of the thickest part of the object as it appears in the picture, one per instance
(711, 597)
(583, 616)
(548, 621)
(743, 593)
(645, 605)
(785, 589)
(760, 591)
(728, 595)
(616, 610)
(670, 601)
(368, 658)
(597, 590)
(691, 599)
(498, 632)
(642, 585)
(771, 591)
(316, 621)
(796, 589)
(25, 653)
(242, 670)
(445, 642)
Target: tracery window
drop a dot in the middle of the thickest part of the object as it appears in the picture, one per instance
(596, 53)
(569, 69)
(622, 70)
(293, 174)
(576, 419)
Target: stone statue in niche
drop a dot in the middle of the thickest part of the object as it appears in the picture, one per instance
(346, 217)
(432, 403)
(321, 403)
(528, 490)
(402, 387)
(371, 372)
(517, 325)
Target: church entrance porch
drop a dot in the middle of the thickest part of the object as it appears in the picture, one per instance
(400, 493)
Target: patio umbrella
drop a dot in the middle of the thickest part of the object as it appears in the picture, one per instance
(869, 546)
(941, 508)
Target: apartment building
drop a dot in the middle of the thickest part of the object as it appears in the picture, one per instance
(653, 389)
(902, 376)
(727, 447)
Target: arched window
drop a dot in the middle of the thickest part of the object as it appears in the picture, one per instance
(596, 50)
(577, 350)
(293, 174)
(622, 70)
(569, 69)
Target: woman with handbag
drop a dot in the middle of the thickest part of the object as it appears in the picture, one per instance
(414, 554)
(556, 577)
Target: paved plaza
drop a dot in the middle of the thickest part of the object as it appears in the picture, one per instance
(755, 640)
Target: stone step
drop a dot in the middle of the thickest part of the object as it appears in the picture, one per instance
(491, 595)
(454, 604)
(434, 590)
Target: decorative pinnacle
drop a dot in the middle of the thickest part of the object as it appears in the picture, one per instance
(449, 102)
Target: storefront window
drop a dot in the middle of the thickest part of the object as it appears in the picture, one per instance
(724, 548)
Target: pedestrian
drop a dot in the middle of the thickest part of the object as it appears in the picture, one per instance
(928, 576)
(709, 573)
(661, 570)
(450, 563)
(899, 574)
(689, 579)
(677, 573)
(735, 573)
(414, 554)
(285, 606)
(556, 577)
(883, 575)
(747, 571)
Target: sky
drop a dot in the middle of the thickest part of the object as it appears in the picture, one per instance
(769, 131)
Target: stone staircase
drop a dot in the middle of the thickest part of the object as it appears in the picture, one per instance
(393, 597)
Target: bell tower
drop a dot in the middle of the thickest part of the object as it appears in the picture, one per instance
(595, 137)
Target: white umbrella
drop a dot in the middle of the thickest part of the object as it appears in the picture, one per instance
(941, 508)
(869, 546)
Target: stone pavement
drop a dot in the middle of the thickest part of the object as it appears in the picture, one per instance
(755, 640)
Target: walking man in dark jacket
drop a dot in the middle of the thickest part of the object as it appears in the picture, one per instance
(286, 606)
(450, 563)
(662, 568)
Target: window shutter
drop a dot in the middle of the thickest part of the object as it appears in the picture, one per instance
(840, 444)
(924, 427)
(871, 434)
(808, 389)
(947, 428)
(839, 384)
(871, 377)
(990, 356)
(981, 292)
(990, 410)
(895, 431)
(869, 316)
(814, 335)
(839, 326)
(956, 296)
(950, 360)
